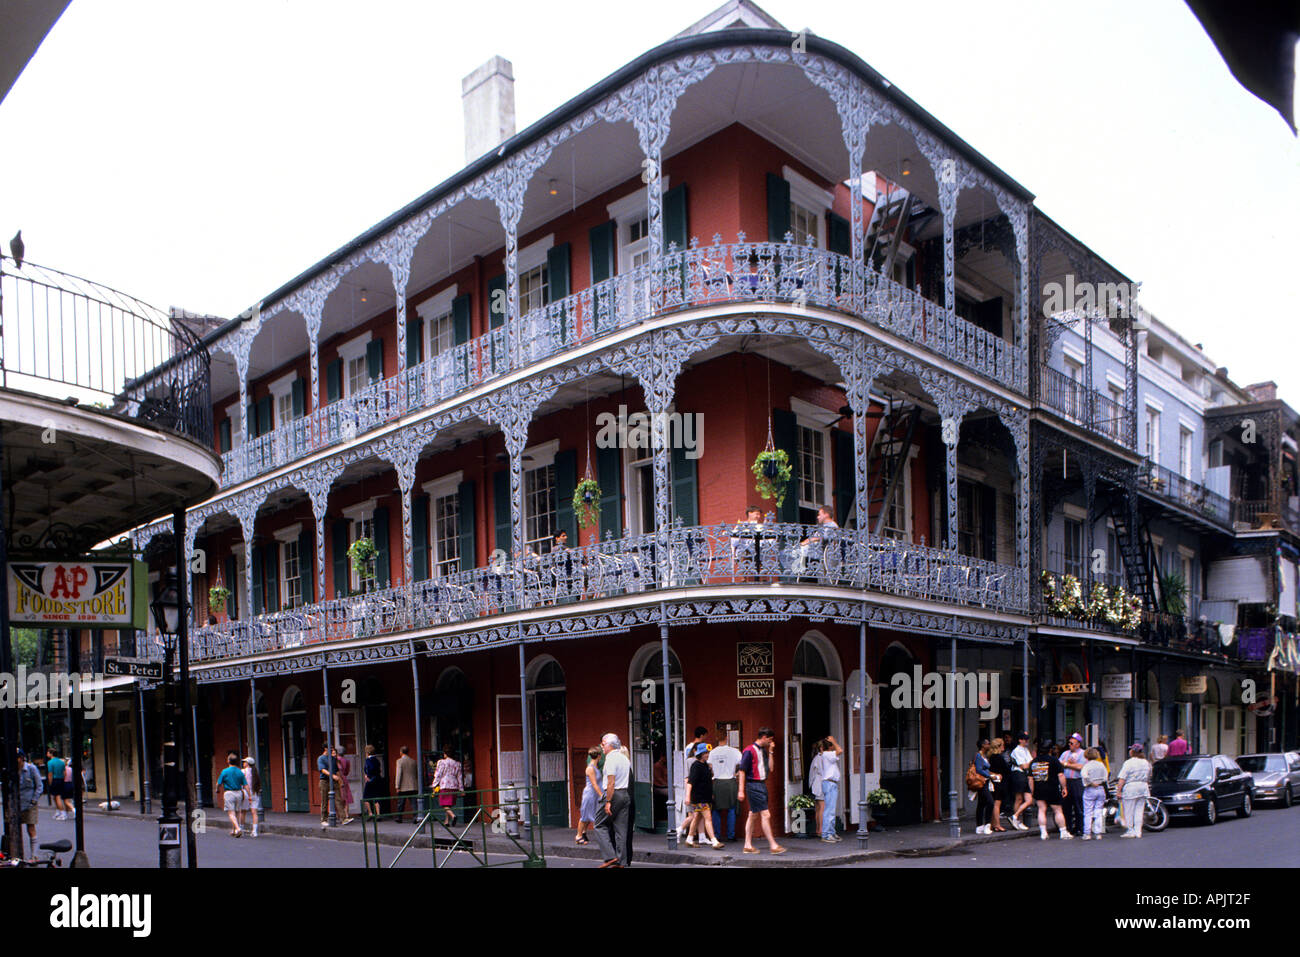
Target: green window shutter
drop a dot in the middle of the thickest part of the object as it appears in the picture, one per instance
(375, 359)
(414, 342)
(460, 319)
(334, 381)
(271, 568)
(785, 435)
(381, 547)
(339, 556)
(501, 509)
(250, 419)
(224, 437)
(566, 481)
(497, 303)
(838, 238)
(609, 473)
(232, 585)
(683, 478)
(988, 523)
(778, 208)
(255, 556)
(465, 525)
(419, 537)
(845, 478)
(299, 398)
(674, 212)
(602, 252)
(557, 272)
(306, 566)
(264, 419)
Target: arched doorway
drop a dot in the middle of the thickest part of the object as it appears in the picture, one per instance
(900, 743)
(653, 769)
(451, 719)
(374, 726)
(546, 696)
(813, 710)
(293, 732)
(263, 738)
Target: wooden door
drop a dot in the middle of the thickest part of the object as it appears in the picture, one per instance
(551, 773)
(297, 773)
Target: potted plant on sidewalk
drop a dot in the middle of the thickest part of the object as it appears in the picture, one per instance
(802, 808)
(879, 801)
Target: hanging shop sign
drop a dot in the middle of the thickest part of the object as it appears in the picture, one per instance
(1116, 687)
(756, 688)
(1075, 688)
(1192, 684)
(78, 593)
(753, 658)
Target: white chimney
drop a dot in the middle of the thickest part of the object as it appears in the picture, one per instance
(489, 97)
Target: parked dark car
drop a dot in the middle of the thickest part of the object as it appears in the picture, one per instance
(1202, 786)
(1277, 776)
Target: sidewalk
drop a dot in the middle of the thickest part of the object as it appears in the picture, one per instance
(917, 840)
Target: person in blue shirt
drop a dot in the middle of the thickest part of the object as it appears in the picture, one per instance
(231, 783)
(328, 767)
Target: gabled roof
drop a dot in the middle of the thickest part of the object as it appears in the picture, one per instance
(735, 14)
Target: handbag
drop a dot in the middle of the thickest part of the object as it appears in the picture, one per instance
(974, 780)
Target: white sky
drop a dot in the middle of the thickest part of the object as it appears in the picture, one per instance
(203, 154)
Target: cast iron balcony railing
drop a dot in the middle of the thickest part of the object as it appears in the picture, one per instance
(1089, 408)
(723, 273)
(1158, 481)
(691, 558)
(1261, 513)
(69, 338)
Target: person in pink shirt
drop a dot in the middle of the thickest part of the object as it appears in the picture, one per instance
(1179, 745)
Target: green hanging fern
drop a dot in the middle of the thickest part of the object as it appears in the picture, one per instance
(218, 595)
(360, 552)
(772, 474)
(586, 502)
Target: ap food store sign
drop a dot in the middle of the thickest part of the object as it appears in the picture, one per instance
(87, 594)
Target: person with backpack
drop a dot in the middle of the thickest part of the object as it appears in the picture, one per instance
(253, 790)
(755, 764)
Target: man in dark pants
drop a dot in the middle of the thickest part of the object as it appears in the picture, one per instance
(614, 817)
(1073, 761)
(327, 766)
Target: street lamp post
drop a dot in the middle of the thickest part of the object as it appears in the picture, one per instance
(166, 612)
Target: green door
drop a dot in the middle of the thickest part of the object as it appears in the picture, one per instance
(552, 773)
(264, 759)
(296, 771)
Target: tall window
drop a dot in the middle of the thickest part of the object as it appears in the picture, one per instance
(1152, 436)
(446, 540)
(1114, 569)
(539, 508)
(897, 512)
(532, 290)
(283, 408)
(364, 579)
(1185, 452)
(812, 468)
(290, 574)
(1074, 548)
(442, 335)
(358, 374)
(803, 223)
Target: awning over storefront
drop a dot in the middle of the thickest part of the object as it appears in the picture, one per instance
(1243, 578)
(94, 686)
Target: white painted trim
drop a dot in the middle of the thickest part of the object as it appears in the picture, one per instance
(289, 534)
(1116, 380)
(533, 255)
(543, 455)
(1186, 552)
(819, 417)
(1187, 425)
(445, 485)
(1071, 353)
(283, 385)
(438, 304)
(353, 349)
(361, 511)
(1074, 512)
(634, 203)
(806, 193)
(1153, 403)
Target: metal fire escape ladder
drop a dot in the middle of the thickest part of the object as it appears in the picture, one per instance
(889, 450)
(1136, 548)
(885, 232)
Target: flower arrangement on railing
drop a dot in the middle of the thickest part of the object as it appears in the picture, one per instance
(586, 502)
(1110, 606)
(218, 595)
(772, 474)
(361, 553)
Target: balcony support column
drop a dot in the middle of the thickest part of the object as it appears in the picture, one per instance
(395, 251)
(403, 453)
(246, 512)
(1017, 422)
(952, 409)
(316, 482)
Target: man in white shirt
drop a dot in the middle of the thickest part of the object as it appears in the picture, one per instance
(830, 788)
(612, 816)
(723, 760)
(1021, 758)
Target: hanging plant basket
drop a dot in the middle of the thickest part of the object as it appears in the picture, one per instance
(586, 502)
(772, 474)
(217, 597)
(361, 554)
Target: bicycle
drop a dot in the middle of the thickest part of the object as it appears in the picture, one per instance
(55, 848)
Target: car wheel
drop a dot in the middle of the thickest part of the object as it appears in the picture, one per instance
(1211, 812)
(1286, 797)
(1245, 809)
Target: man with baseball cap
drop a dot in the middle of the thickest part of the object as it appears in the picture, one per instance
(1073, 761)
(1021, 758)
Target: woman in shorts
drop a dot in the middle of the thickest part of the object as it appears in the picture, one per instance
(1048, 777)
(253, 790)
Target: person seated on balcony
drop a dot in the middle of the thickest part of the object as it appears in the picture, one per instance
(813, 547)
(560, 542)
(745, 536)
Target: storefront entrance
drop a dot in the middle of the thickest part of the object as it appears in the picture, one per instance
(297, 772)
(653, 771)
(900, 744)
(550, 741)
(814, 708)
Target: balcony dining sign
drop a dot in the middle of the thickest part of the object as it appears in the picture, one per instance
(84, 592)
